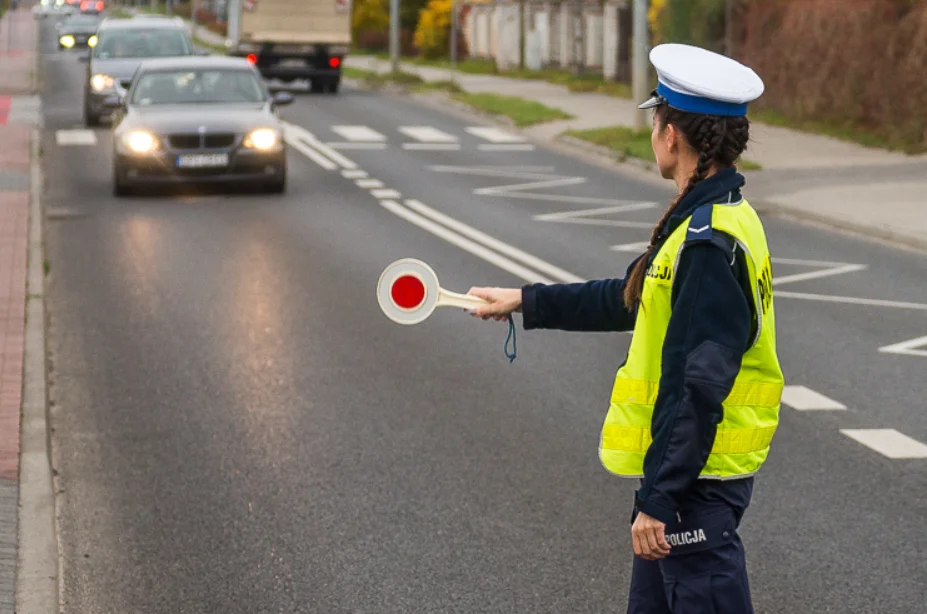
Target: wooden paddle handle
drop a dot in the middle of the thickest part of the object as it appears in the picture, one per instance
(464, 301)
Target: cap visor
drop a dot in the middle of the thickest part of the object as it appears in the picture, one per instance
(653, 101)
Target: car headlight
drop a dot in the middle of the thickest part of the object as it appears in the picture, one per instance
(92, 41)
(102, 82)
(140, 141)
(66, 41)
(262, 138)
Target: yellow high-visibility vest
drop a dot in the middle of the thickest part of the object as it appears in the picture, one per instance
(751, 410)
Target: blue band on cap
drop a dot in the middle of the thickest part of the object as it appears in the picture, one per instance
(697, 104)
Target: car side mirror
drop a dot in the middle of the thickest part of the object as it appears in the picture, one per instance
(113, 102)
(283, 98)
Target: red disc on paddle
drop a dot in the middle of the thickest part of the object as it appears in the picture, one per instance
(408, 292)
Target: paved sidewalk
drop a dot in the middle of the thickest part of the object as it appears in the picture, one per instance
(18, 117)
(872, 191)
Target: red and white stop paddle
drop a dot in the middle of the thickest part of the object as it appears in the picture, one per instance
(408, 293)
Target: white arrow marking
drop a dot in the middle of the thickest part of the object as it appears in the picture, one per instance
(907, 348)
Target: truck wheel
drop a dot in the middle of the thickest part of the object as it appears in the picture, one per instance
(317, 86)
(333, 85)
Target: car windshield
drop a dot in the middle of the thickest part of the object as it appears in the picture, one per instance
(142, 43)
(81, 21)
(197, 86)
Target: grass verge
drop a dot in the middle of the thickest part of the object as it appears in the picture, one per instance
(627, 142)
(585, 82)
(522, 112)
(355, 73)
(630, 143)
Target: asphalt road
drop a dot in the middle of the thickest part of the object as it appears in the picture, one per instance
(237, 427)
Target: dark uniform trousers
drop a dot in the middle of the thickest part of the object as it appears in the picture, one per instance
(705, 572)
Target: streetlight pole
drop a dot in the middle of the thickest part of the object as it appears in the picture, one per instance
(394, 35)
(639, 61)
(453, 41)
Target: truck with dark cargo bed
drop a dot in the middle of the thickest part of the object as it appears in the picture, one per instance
(292, 40)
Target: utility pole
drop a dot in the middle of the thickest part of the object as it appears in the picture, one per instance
(394, 35)
(579, 47)
(639, 60)
(453, 41)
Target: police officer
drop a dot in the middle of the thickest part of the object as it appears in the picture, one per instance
(695, 405)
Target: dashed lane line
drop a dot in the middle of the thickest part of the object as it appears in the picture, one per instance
(805, 399)
(888, 442)
(75, 137)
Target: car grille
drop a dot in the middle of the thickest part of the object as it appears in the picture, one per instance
(201, 141)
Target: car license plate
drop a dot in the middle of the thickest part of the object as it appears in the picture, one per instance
(203, 160)
(293, 63)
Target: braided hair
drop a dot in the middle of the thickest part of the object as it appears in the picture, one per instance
(719, 141)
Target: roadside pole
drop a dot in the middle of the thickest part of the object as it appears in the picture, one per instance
(453, 41)
(394, 35)
(639, 61)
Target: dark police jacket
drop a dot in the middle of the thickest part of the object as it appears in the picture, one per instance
(712, 301)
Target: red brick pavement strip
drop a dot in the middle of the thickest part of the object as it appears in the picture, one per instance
(14, 225)
(14, 148)
(18, 34)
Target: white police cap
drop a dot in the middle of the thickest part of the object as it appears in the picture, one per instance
(696, 80)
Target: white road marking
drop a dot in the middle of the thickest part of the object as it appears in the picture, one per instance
(888, 442)
(293, 133)
(631, 247)
(352, 145)
(76, 137)
(311, 153)
(386, 193)
(907, 348)
(355, 174)
(504, 147)
(503, 248)
(359, 133)
(539, 177)
(805, 399)
(589, 216)
(431, 146)
(495, 135)
(427, 134)
(851, 300)
(369, 183)
(465, 244)
(830, 269)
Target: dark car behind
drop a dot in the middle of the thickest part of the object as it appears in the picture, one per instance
(122, 44)
(78, 31)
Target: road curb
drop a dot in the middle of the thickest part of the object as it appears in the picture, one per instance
(856, 229)
(37, 560)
